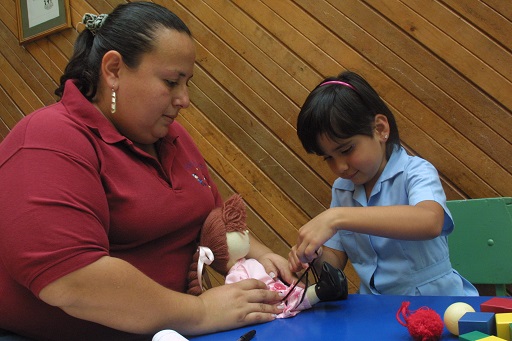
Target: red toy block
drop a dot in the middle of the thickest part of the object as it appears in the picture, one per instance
(497, 305)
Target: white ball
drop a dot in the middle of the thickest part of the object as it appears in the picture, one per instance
(168, 335)
(453, 314)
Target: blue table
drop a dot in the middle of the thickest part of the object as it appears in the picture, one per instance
(360, 317)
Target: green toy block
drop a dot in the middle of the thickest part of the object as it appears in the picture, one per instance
(472, 336)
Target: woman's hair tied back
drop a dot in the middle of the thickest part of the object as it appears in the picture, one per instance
(94, 22)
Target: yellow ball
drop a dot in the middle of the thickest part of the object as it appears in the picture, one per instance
(452, 315)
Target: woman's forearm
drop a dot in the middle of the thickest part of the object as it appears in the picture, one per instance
(257, 249)
(113, 293)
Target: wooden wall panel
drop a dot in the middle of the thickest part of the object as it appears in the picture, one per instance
(443, 67)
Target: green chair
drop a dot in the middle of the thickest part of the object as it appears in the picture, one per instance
(481, 243)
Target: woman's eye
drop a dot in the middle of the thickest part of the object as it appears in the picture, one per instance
(172, 84)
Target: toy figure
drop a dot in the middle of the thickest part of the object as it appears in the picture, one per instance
(224, 244)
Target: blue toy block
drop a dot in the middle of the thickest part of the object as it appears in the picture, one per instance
(480, 321)
(472, 336)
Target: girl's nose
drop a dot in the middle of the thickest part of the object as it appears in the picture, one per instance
(341, 164)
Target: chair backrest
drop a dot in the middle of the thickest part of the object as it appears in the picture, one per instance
(481, 243)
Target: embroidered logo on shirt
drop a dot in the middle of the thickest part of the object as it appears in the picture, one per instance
(202, 180)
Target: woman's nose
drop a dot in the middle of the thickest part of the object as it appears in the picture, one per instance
(182, 99)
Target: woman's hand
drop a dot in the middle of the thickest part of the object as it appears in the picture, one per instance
(277, 266)
(237, 305)
(274, 264)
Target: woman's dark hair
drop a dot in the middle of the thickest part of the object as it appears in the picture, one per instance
(342, 111)
(130, 30)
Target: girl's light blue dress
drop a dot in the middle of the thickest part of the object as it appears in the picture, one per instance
(400, 267)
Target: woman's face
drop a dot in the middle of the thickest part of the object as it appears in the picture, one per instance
(150, 96)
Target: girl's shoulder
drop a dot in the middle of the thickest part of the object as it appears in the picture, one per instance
(416, 164)
(401, 160)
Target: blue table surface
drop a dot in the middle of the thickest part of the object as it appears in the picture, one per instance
(360, 317)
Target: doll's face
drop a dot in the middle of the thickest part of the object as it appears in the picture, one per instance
(238, 245)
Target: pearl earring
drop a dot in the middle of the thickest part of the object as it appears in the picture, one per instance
(113, 102)
(386, 137)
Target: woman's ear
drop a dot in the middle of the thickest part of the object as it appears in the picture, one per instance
(110, 65)
(381, 127)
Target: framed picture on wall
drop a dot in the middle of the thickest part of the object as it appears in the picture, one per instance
(39, 18)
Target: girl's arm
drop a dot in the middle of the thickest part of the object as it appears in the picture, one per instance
(420, 222)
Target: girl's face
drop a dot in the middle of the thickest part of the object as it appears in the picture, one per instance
(150, 96)
(360, 158)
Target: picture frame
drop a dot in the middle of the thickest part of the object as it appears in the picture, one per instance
(39, 18)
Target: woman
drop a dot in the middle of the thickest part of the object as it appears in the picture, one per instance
(109, 195)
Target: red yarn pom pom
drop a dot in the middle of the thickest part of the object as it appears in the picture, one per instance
(423, 324)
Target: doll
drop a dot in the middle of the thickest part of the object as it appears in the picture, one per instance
(224, 244)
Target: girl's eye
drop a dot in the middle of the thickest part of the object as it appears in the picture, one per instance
(348, 150)
(327, 158)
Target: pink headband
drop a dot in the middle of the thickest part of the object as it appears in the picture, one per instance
(338, 82)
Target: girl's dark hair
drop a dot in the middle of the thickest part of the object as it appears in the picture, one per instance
(130, 30)
(342, 111)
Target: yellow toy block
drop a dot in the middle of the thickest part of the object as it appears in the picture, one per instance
(503, 322)
(492, 338)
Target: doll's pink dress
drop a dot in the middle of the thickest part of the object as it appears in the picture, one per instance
(251, 268)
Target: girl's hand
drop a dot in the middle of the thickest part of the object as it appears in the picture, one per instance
(236, 305)
(295, 264)
(312, 236)
(293, 261)
(277, 266)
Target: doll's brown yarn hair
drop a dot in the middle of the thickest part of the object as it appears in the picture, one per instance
(230, 217)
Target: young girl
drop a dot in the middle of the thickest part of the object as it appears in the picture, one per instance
(388, 213)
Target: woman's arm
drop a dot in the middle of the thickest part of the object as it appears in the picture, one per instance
(112, 292)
